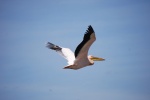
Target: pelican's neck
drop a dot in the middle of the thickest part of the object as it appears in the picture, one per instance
(91, 61)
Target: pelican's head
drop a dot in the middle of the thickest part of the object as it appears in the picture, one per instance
(92, 58)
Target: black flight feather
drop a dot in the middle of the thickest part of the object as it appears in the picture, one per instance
(53, 46)
(86, 37)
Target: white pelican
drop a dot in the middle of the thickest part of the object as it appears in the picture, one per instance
(80, 58)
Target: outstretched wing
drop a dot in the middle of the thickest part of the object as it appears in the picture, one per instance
(65, 52)
(82, 49)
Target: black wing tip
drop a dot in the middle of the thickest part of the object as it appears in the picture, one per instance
(90, 26)
(53, 46)
(90, 29)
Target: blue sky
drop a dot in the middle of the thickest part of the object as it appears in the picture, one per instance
(30, 71)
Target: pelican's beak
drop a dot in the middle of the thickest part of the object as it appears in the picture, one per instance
(97, 59)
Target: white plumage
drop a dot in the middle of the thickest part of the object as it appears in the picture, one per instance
(68, 55)
(79, 58)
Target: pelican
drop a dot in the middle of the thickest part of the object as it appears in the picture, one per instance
(79, 58)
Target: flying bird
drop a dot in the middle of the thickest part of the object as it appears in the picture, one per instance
(79, 58)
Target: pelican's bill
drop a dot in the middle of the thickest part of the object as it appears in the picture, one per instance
(96, 58)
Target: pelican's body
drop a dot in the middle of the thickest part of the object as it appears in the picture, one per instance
(80, 58)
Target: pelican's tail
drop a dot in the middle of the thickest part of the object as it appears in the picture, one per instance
(71, 67)
(53, 46)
